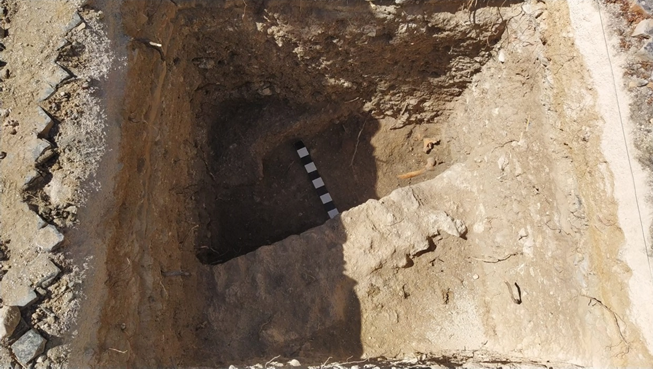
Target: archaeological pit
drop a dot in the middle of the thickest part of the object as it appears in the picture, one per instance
(460, 141)
(216, 95)
(233, 86)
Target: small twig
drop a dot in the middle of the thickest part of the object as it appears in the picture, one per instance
(325, 363)
(116, 350)
(352, 100)
(353, 362)
(164, 289)
(271, 360)
(351, 164)
(517, 300)
(260, 329)
(504, 258)
(411, 174)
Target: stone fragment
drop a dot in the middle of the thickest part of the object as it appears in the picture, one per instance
(28, 347)
(30, 178)
(5, 357)
(43, 364)
(502, 56)
(55, 75)
(46, 92)
(646, 52)
(204, 63)
(43, 124)
(63, 43)
(502, 162)
(534, 9)
(48, 238)
(644, 28)
(442, 221)
(429, 144)
(42, 271)
(74, 22)
(640, 82)
(294, 362)
(38, 148)
(9, 319)
(58, 353)
(17, 294)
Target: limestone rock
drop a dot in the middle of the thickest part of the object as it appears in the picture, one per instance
(30, 178)
(38, 148)
(9, 319)
(5, 357)
(74, 22)
(42, 271)
(646, 52)
(43, 124)
(17, 294)
(45, 92)
(644, 28)
(28, 347)
(55, 74)
(48, 238)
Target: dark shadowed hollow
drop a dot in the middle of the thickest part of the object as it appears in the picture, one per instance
(261, 75)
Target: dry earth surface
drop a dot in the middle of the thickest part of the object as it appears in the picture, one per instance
(490, 159)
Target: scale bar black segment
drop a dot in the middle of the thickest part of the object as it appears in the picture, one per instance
(314, 176)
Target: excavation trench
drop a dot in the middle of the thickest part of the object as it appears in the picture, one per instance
(361, 92)
(217, 94)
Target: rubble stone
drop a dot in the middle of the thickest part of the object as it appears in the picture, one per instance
(28, 347)
(17, 294)
(644, 28)
(48, 238)
(38, 149)
(9, 319)
(42, 271)
(43, 124)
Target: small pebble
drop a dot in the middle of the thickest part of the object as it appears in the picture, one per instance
(475, 276)
(3, 155)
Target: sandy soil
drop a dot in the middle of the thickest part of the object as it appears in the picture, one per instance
(605, 62)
